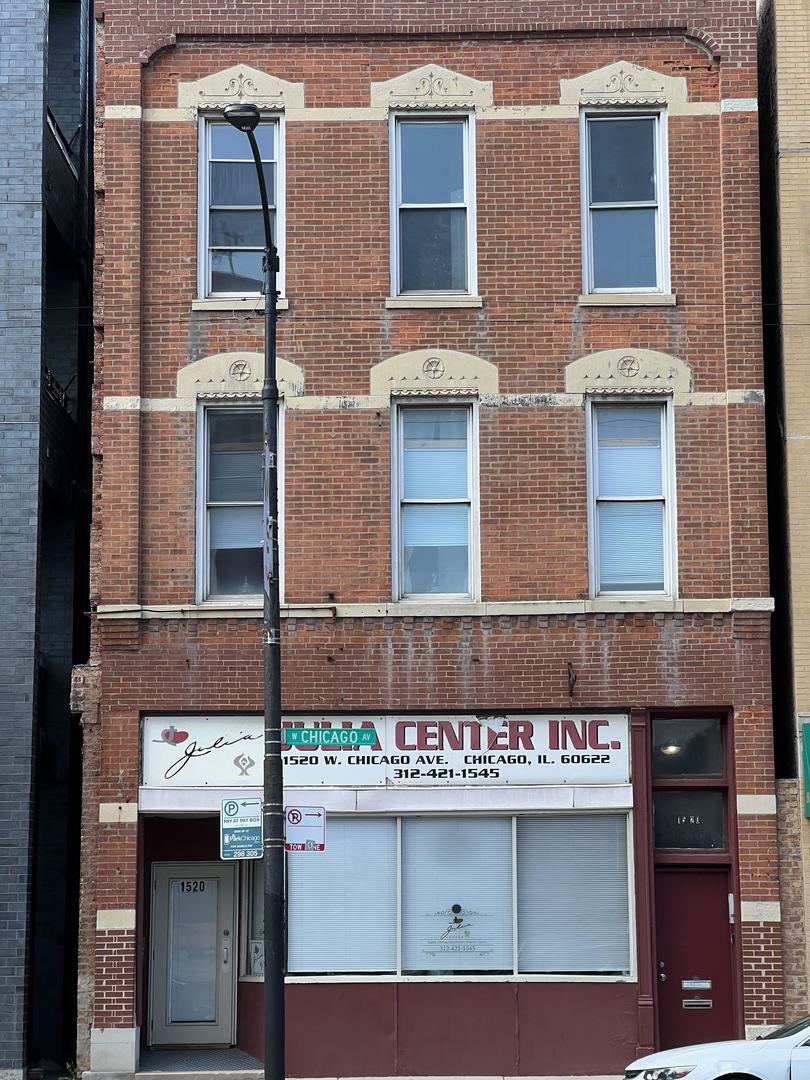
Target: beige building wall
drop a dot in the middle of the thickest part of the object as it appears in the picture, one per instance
(785, 98)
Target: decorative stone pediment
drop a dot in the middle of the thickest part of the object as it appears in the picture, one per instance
(623, 83)
(236, 375)
(434, 373)
(628, 371)
(240, 83)
(431, 87)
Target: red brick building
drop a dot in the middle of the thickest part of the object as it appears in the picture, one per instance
(524, 529)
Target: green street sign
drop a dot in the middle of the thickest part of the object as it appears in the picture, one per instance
(329, 736)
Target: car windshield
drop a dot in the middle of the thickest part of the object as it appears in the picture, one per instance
(789, 1029)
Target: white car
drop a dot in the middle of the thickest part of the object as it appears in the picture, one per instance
(784, 1054)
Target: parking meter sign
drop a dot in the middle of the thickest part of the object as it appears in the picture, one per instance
(304, 828)
(240, 829)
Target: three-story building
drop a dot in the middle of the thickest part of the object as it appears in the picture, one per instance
(524, 536)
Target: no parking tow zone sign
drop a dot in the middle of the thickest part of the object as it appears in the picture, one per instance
(304, 828)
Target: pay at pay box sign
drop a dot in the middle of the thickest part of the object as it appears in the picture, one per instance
(304, 828)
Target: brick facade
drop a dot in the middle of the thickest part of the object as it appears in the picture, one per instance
(535, 639)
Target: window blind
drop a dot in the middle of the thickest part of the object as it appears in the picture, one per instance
(456, 894)
(342, 902)
(235, 527)
(235, 476)
(631, 546)
(572, 898)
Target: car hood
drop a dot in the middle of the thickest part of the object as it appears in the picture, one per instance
(692, 1055)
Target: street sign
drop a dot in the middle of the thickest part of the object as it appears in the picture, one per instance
(329, 736)
(304, 828)
(240, 829)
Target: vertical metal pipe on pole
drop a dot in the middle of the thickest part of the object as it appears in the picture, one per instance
(245, 117)
(275, 946)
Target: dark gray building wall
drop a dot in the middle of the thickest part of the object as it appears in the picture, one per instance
(22, 47)
(45, 346)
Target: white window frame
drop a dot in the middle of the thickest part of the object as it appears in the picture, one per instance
(662, 274)
(203, 546)
(203, 155)
(514, 975)
(669, 523)
(397, 488)
(395, 122)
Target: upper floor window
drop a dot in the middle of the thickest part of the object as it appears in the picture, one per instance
(432, 205)
(230, 528)
(624, 203)
(230, 214)
(434, 518)
(631, 499)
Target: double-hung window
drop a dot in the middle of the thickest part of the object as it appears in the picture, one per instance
(432, 209)
(435, 471)
(624, 203)
(454, 895)
(230, 529)
(631, 498)
(230, 214)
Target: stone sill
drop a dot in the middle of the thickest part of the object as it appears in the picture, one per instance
(628, 300)
(434, 302)
(237, 303)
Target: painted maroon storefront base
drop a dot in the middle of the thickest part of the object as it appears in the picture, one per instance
(424, 1029)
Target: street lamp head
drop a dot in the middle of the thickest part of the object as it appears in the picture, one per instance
(242, 115)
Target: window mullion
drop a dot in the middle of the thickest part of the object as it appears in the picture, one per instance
(399, 896)
(630, 498)
(626, 204)
(515, 945)
(436, 502)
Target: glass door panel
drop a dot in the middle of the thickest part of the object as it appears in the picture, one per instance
(193, 950)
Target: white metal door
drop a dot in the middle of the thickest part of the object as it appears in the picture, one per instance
(193, 962)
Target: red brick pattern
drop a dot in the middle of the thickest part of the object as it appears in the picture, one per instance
(762, 972)
(115, 979)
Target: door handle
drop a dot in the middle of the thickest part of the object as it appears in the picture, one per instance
(662, 976)
(225, 954)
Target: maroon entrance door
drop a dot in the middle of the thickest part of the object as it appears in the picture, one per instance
(694, 959)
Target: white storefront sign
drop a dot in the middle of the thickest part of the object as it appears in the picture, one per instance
(395, 750)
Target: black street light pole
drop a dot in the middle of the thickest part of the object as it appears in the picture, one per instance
(245, 117)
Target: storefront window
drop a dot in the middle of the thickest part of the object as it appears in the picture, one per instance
(342, 902)
(572, 894)
(499, 895)
(456, 895)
